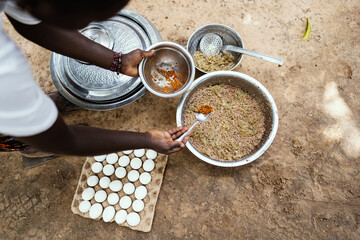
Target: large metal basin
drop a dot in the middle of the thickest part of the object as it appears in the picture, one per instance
(249, 85)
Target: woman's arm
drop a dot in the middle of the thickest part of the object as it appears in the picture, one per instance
(80, 140)
(90, 141)
(73, 44)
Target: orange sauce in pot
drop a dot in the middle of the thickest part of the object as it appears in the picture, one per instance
(172, 80)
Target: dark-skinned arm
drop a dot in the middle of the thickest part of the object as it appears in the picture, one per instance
(85, 141)
(90, 141)
(73, 44)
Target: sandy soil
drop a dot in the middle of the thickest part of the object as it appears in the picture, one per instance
(306, 186)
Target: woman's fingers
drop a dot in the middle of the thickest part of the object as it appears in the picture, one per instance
(177, 132)
(176, 147)
(174, 130)
(180, 133)
(183, 130)
(186, 138)
(177, 135)
(146, 54)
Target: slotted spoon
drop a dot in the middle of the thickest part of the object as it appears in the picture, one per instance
(211, 44)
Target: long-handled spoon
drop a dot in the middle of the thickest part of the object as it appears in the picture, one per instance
(212, 44)
(200, 117)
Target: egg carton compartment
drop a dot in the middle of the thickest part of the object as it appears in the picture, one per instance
(153, 189)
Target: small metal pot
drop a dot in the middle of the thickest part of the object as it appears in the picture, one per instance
(171, 56)
(249, 85)
(228, 35)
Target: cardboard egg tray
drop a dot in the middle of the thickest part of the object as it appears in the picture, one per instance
(153, 188)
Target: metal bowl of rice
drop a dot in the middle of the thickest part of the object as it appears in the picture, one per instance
(253, 88)
(227, 34)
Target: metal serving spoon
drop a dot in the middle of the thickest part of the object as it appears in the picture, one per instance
(212, 44)
(200, 117)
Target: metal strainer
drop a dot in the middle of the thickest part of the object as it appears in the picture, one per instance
(211, 44)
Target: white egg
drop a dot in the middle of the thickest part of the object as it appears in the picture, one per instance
(138, 205)
(140, 192)
(108, 170)
(120, 216)
(100, 158)
(133, 176)
(95, 210)
(136, 163)
(151, 154)
(127, 152)
(120, 172)
(108, 214)
(116, 185)
(124, 161)
(113, 198)
(97, 167)
(88, 194)
(129, 188)
(148, 165)
(112, 158)
(145, 178)
(92, 181)
(133, 219)
(125, 202)
(139, 152)
(84, 206)
(104, 182)
(100, 196)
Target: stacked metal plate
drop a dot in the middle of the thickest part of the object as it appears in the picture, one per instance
(94, 88)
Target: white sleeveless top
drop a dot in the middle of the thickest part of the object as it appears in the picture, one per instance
(20, 15)
(24, 109)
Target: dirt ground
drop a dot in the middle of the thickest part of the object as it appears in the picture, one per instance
(306, 186)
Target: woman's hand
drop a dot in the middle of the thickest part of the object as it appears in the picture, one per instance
(131, 60)
(164, 141)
